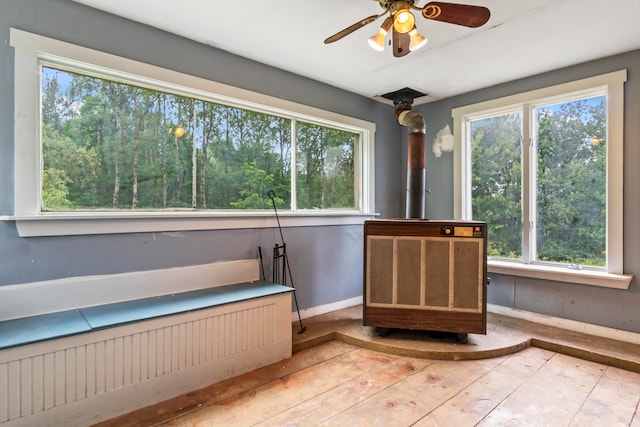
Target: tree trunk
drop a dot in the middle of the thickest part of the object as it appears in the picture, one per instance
(164, 154)
(178, 169)
(194, 166)
(116, 180)
(203, 160)
(136, 155)
(323, 181)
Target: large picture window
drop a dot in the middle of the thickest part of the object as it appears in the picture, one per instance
(106, 144)
(114, 146)
(544, 169)
(567, 181)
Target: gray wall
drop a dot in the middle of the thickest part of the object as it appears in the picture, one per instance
(326, 262)
(614, 308)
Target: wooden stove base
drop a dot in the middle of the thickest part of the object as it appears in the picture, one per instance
(424, 320)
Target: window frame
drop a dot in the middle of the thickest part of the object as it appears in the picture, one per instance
(612, 84)
(33, 51)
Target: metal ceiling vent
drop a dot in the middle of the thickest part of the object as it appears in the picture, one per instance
(416, 152)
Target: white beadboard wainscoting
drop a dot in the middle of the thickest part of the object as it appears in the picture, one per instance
(85, 378)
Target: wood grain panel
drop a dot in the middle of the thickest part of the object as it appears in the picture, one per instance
(467, 273)
(471, 405)
(437, 272)
(408, 271)
(552, 397)
(406, 402)
(325, 386)
(260, 401)
(612, 401)
(353, 391)
(380, 270)
(425, 320)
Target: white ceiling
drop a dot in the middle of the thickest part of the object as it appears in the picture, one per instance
(522, 38)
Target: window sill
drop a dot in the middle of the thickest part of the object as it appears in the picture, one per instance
(583, 277)
(84, 223)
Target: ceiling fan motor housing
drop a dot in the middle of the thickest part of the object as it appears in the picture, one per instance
(395, 5)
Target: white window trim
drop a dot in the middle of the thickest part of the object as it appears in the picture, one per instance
(31, 49)
(614, 84)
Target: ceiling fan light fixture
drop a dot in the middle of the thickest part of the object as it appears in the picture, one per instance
(417, 40)
(377, 41)
(403, 21)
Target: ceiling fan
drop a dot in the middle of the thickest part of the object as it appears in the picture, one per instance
(401, 21)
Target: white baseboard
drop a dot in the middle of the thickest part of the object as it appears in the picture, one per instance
(326, 308)
(571, 325)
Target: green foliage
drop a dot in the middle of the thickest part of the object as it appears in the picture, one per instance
(54, 190)
(497, 182)
(570, 193)
(325, 168)
(255, 186)
(109, 146)
(69, 172)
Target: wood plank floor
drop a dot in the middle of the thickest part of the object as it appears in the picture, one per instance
(338, 384)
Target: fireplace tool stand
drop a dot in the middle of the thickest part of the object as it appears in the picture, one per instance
(281, 267)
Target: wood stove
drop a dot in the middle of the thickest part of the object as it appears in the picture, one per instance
(425, 275)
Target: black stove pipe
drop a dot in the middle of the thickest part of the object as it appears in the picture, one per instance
(416, 160)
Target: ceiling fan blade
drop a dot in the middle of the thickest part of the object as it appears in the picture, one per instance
(400, 43)
(340, 34)
(459, 14)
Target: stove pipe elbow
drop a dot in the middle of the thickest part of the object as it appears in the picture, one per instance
(413, 120)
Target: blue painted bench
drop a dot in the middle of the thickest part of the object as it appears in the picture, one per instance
(43, 327)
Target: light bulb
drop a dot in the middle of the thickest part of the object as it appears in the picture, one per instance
(377, 41)
(404, 21)
(417, 40)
